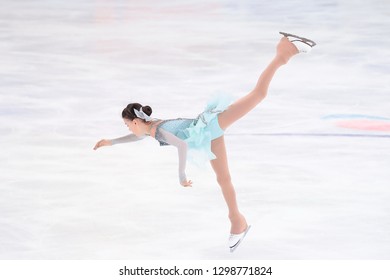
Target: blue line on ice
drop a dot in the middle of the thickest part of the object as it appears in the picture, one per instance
(318, 135)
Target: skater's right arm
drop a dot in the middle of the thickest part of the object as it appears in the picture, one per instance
(125, 139)
(181, 146)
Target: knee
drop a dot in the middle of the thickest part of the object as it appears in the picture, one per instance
(261, 96)
(224, 179)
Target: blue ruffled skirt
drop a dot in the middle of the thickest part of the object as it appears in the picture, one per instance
(204, 129)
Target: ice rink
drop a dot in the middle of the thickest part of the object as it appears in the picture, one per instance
(310, 164)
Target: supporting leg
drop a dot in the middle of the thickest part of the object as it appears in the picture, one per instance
(221, 169)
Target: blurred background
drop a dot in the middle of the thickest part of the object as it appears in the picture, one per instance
(310, 164)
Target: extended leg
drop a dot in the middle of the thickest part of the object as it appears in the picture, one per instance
(285, 50)
(221, 169)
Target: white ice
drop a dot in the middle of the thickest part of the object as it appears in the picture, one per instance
(68, 68)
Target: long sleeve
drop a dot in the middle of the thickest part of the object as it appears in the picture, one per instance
(125, 139)
(181, 146)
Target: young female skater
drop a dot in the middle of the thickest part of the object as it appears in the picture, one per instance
(205, 134)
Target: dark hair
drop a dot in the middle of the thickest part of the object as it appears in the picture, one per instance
(128, 112)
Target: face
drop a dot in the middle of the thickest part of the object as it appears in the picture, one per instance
(133, 126)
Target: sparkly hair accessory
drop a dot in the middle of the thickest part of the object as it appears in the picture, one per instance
(140, 114)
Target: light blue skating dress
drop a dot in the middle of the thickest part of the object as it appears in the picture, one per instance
(192, 137)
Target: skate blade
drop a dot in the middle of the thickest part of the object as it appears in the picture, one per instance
(311, 43)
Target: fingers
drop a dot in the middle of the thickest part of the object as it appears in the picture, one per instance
(103, 142)
(187, 183)
(98, 145)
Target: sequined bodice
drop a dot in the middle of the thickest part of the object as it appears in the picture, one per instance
(174, 126)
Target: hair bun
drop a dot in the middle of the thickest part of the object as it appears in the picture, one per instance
(147, 110)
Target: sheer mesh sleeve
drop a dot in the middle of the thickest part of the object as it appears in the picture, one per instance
(125, 139)
(181, 146)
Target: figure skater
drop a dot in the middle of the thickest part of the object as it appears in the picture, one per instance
(205, 134)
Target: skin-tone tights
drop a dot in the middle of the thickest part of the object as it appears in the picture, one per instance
(285, 50)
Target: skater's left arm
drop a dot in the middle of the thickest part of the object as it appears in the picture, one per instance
(125, 139)
(181, 146)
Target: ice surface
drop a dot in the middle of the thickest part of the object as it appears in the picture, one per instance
(310, 189)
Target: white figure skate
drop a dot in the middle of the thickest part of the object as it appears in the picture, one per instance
(303, 45)
(236, 239)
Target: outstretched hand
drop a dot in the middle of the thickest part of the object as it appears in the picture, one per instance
(186, 183)
(102, 143)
